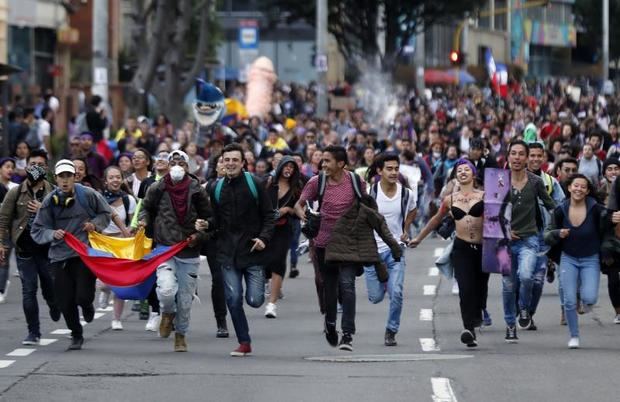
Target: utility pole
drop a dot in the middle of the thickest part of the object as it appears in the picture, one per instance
(321, 57)
(100, 49)
(605, 40)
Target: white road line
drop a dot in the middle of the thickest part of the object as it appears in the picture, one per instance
(61, 332)
(442, 390)
(21, 352)
(429, 290)
(433, 271)
(438, 252)
(47, 341)
(6, 363)
(426, 314)
(428, 345)
(84, 323)
(99, 315)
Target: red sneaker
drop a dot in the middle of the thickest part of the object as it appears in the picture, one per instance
(244, 349)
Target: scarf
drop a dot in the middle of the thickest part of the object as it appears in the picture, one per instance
(179, 194)
(111, 197)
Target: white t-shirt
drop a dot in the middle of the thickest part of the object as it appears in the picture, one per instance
(390, 208)
(120, 211)
(43, 131)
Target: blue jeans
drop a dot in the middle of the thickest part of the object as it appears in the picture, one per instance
(32, 269)
(376, 289)
(523, 266)
(539, 274)
(176, 286)
(572, 271)
(254, 295)
(296, 225)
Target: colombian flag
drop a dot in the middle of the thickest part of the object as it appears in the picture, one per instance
(127, 265)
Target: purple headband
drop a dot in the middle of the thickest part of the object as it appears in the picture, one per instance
(467, 162)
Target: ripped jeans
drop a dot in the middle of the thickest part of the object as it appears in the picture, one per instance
(254, 277)
(176, 286)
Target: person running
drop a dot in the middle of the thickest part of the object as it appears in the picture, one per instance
(244, 219)
(123, 207)
(527, 190)
(7, 167)
(397, 204)
(16, 216)
(171, 207)
(284, 190)
(336, 195)
(577, 228)
(612, 270)
(466, 207)
(141, 160)
(76, 209)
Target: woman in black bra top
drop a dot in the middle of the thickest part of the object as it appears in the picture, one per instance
(466, 207)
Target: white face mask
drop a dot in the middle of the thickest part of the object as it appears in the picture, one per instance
(177, 173)
(436, 154)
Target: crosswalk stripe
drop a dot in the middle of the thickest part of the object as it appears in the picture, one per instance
(429, 290)
(428, 345)
(21, 352)
(426, 314)
(442, 390)
(6, 363)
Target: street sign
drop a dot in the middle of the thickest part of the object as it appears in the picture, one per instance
(248, 34)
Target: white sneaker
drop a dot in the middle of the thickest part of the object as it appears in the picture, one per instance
(455, 287)
(573, 343)
(270, 310)
(153, 323)
(2, 298)
(117, 325)
(617, 319)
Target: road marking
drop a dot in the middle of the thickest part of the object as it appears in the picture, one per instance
(99, 315)
(386, 358)
(47, 341)
(6, 363)
(426, 314)
(433, 271)
(442, 390)
(438, 251)
(429, 290)
(428, 345)
(21, 352)
(61, 332)
(84, 323)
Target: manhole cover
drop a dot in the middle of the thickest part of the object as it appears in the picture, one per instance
(386, 358)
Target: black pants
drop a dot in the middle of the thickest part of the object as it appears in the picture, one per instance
(153, 300)
(613, 286)
(318, 279)
(218, 297)
(473, 283)
(338, 278)
(74, 285)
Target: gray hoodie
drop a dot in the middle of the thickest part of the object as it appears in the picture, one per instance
(51, 217)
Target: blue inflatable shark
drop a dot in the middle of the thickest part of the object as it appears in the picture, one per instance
(209, 106)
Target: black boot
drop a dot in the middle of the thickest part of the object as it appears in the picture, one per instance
(222, 329)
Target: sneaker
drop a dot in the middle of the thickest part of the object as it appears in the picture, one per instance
(346, 342)
(573, 343)
(89, 313)
(270, 310)
(179, 343)
(563, 318)
(54, 313)
(102, 300)
(617, 319)
(31, 339)
(2, 298)
(486, 318)
(511, 335)
(524, 319)
(165, 325)
(244, 349)
(469, 338)
(294, 272)
(76, 343)
(117, 325)
(580, 307)
(533, 326)
(153, 322)
(455, 287)
(587, 308)
(390, 338)
(331, 334)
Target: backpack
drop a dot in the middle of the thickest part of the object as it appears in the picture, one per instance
(249, 180)
(404, 201)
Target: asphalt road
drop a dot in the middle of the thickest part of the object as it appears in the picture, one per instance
(293, 362)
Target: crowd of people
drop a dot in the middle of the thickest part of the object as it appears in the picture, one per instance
(362, 191)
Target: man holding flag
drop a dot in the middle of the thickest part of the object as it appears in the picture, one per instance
(78, 210)
(171, 208)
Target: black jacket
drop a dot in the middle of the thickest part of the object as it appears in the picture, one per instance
(238, 218)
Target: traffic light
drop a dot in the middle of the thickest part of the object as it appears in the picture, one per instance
(456, 58)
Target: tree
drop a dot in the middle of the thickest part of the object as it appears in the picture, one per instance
(169, 55)
(356, 24)
(589, 14)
